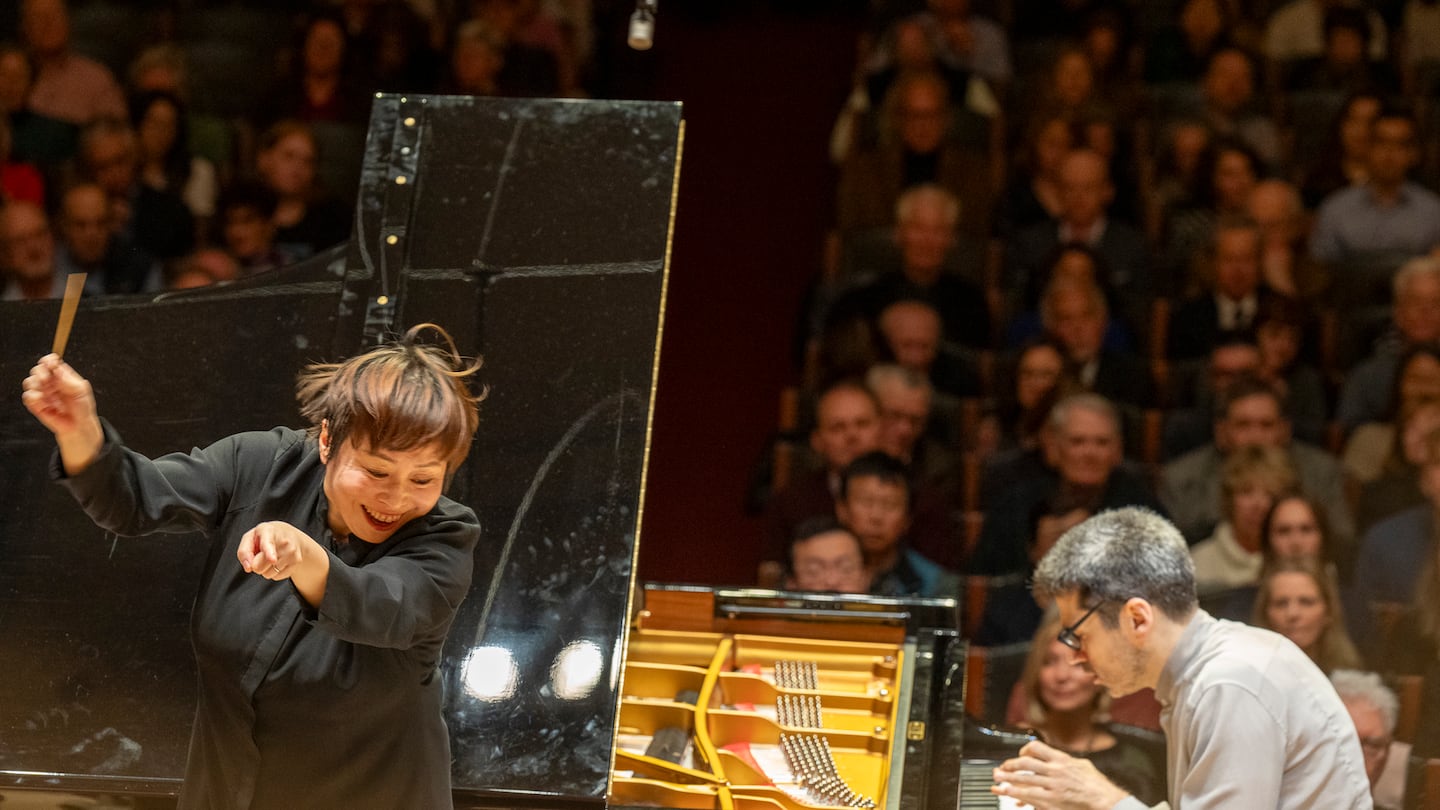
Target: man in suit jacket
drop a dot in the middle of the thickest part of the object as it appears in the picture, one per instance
(1085, 195)
(1251, 412)
(1232, 303)
(1074, 312)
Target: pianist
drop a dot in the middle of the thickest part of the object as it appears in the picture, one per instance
(1249, 721)
(334, 572)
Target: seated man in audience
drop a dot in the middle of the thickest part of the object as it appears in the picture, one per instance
(67, 86)
(1375, 709)
(1191, 425)
(925, 232)
(1083, 441)
(915, 148)
(1251, 413)
(826, 556)
(1228, 104)
(1393, 555)
(1232, 303)
(27, 254)
(88, 244)
(1366, 393)
(1075, 314)
(202, 268)
(1086, 194)
(1343, 67)
(905, 418)
(874, 503)
(1296, 30)
(1389, 217)
(913, 335)
(847, 426)
(155, 221)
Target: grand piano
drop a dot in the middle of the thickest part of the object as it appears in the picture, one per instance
(537, 232)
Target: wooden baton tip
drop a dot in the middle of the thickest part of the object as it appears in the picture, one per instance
(74, 286)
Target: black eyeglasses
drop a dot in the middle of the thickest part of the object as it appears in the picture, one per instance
(1067, 634)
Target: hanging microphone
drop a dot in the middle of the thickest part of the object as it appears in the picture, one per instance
(642, 25)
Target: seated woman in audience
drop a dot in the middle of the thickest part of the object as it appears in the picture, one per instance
(1227, 173)
(1343, 162)
(166, 164)
(1298, 598)
(1397, 487)
(1032, 195)
(1041, 377)
(1252, 478)
(1296, 528)
(1280, 327)
(1373, 445)
(306, 219)
(320, 85)
(1070, 711)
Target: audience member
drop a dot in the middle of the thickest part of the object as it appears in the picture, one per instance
(1227, 174)
(826, 556)
(1080, 263)
(1366, 395)
(1084, 441)
(307, 221)
(1343, 65)
(1076, 316)
(1344, 160)
(1294, 528)
(89, 244)
(153, 220)
(1071, 711)
(1040, 377)
(1252, 478)
(1298, 599)
(1373, 445)
(1285, 263)
(913, 336)
(202, 268)
(847, 426)
(1397, 554)
(477, 56)
(27, 254)
(914, 148)
(1085, 195)
(529, 69)
(1228, 104)
(1375, 710)
(47, 142)
(1280, 328)
(875, 503)
(1232, 302)
(1396, 486)
(320, 83)
(1179, 53)
(18, 180)
(1032, 195)
(958, 37)
(166, 163)
(67, 86)
(1387, 218)
(1296, 30)
(1250, 413)
(247, 228)
(926, 217)
(905, 399)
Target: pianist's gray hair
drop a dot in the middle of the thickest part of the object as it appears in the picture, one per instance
(1117, 555)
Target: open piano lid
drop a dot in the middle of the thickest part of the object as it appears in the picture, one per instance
(537, 233)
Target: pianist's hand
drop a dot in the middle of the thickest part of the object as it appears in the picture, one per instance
(64, 403)
(1050, 779)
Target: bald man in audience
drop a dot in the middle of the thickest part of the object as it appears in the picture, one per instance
(1086, 194)
(27, 254)
(912, 334)
(847, 426)
(90, 245)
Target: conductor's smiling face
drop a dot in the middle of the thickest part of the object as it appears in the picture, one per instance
(372, 492)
